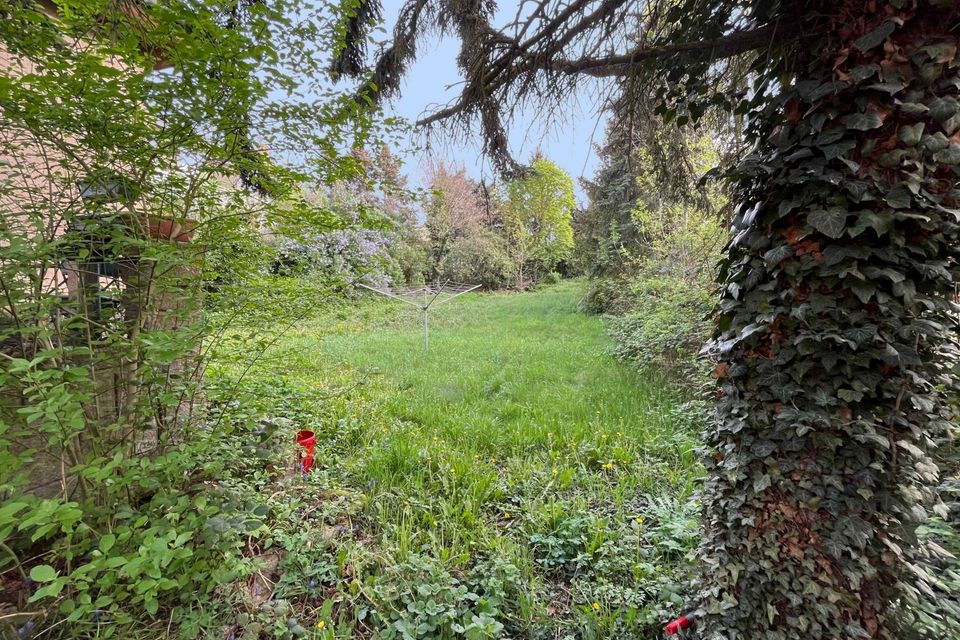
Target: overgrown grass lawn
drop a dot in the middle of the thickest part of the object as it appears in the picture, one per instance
(514, 481)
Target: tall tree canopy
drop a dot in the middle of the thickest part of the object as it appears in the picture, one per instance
(537, 217)
(835, 323)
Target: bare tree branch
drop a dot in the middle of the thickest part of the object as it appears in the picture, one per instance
(623, 64)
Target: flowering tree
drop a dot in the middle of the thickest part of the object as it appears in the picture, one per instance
(455, 213)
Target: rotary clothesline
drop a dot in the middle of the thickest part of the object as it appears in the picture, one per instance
(424, 297)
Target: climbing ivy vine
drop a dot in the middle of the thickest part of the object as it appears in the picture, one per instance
(836, 331)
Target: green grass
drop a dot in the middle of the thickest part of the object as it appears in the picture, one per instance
(516, 447)
(510, 373)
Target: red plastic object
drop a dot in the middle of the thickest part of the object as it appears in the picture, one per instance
(307, 440)
(677, 626)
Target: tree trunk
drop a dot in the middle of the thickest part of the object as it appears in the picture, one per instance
(834, 329)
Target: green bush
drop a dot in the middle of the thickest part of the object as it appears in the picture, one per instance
(550, 277)
(479, 258)
(666, 327)
(610, 295)
(664, 295)
(160, 533)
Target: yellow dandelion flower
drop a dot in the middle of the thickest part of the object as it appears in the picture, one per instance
(321, 624)
(608, 465)
(506, 515)
(638, 520)
(596, 606)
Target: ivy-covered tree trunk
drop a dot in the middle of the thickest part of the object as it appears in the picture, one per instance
(835, 329)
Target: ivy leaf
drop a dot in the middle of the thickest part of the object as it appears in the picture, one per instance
(863, 290)
(861, 334)
(951, 155)
(830, 223)
(942, 109)
(876, 37)
(826, 89)
(911, 134)
(866, 219)
(777, 255)
(941, 53)
(899, 197)
(914, 109)
(887, 87)
(761, 482)
(862, 121)
(864, 71)
(935, 142)
(910, 448)
(835, 548)
(850, 395)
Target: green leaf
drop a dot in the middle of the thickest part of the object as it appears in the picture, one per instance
(914, 109)
(761, 482)
(107, 542)
(876, 37)
(865, 219)
(830, 223)
(899, 197)
(864, 71)
(886, 87)
(777, 255)
(944, 52)
(51, 590)
(43, 573)
(950, 155)
(942, 109)
(862, 121)
(911, 134)
(863, 290)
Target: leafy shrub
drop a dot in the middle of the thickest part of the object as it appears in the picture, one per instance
(666, 327)
(550, 277)
(480, 257)
(937, 615)
(607, 295)
(345, 253)
(420, 599)
(165, 534)
(663, 300)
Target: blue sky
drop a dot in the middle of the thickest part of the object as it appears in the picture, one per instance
(433, 81)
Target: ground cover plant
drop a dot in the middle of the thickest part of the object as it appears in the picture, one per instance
(501, 485)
